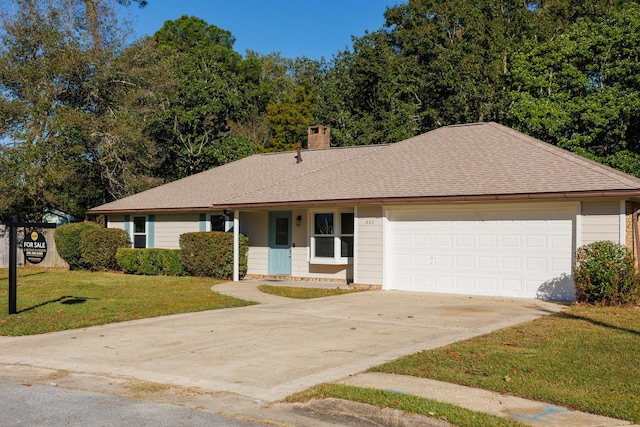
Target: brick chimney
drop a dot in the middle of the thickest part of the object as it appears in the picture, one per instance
(319, 137)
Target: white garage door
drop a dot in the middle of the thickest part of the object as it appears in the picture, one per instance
(521, 253)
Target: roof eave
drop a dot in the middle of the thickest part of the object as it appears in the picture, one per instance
(98, 211)
(624, 193)
(437, 199)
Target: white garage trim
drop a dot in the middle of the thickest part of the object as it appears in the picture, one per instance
(503, 249)
(578, 228)
(623, 222)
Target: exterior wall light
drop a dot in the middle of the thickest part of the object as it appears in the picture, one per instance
(298, 220)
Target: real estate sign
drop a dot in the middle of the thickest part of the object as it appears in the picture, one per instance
(34, 247)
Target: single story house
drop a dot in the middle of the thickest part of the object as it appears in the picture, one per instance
(476, 209)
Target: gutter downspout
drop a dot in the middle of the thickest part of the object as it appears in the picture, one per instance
(636, 235)
(236, 246)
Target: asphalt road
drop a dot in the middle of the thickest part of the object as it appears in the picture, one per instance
(36, 405)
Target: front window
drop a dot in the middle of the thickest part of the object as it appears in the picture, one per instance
(139, 232)
(332, 237)
(218, 223)
(346, 234)
(222, 222)
(323, 235)
(282, 231)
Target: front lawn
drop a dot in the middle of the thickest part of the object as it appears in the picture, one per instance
(55, 300)
(587, 358)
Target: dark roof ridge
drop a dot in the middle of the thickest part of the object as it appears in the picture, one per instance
(608, 171)
(332, 165)
(345, 147)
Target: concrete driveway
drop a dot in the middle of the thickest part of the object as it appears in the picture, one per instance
(271, 350)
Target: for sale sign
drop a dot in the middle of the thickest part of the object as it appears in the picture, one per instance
(34, 247)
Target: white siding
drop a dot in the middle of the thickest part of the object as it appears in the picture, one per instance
(254, 226)
(369, 245)
(169, 227)
(116, 221)
(600, 221)
(257, 260)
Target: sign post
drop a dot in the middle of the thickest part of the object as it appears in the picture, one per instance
(34, 247)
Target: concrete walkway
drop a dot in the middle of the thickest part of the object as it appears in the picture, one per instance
(265, 352)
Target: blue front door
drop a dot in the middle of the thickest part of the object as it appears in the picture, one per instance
(280, 243)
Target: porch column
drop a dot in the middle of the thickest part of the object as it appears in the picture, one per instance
(236, 246)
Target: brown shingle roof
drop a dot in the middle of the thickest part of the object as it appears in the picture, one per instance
(483, 160)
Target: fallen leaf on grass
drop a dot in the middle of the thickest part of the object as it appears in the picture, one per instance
(513, 370)
(509, 343)
(507, 378)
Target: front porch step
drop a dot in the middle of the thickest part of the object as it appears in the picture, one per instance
(275, 277)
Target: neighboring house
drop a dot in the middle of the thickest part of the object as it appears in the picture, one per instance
(476, 209)
(58, 217)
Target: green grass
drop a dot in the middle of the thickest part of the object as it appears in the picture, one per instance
(301, 292)
(55, 300)
(587, 358)
(387, 399)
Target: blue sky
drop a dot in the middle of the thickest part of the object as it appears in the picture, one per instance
(292, 27)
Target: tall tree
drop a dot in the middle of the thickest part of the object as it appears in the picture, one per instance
(581, 90)
(369, 96)
(50, 56)
(265, 78)
(192, 123)
(439, 62)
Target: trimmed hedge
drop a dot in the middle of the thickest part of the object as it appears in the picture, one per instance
(99, 247)
(150, 262)
(605, 274)
(67, 238)
(210, 254)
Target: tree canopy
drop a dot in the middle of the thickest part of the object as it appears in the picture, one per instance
(86, 118)
(60, 109)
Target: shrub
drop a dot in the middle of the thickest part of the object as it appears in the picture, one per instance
(127, 259)
(67, 238)
(605, 274)
(165, 262)
(99, 247)
(211, 254)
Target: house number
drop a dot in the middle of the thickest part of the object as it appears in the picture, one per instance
(370, 221)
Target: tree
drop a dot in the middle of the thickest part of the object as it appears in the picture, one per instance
(438, 62)
(369, 95)
(194, 116)
(265, 79)
(50, 58)
(581, 90)
(289, 119)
